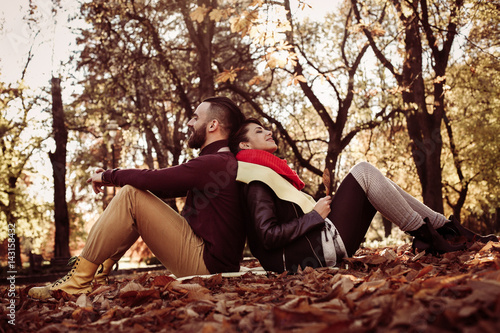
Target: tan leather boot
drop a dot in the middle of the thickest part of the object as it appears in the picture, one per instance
(77, 281)
(102, 274)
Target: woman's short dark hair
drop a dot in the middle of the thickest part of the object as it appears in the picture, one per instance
(241, 135)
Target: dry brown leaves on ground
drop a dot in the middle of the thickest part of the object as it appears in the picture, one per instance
(382, 290)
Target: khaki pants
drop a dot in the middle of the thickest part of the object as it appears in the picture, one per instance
(133, 213)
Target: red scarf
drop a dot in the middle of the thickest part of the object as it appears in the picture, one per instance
(266, 159)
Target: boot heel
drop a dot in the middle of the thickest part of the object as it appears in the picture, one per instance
(420, 245)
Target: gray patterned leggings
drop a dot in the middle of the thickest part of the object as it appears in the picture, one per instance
(365, 191)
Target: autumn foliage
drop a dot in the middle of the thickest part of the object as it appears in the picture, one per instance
(388, 289)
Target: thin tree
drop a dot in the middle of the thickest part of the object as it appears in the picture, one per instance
(58, 160)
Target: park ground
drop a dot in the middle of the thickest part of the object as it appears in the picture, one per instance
(388, 289)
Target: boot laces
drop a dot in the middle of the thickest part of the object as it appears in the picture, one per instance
(72, 261)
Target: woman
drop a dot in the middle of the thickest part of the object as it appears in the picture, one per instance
(287, 229)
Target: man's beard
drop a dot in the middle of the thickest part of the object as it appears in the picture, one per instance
(197, 138)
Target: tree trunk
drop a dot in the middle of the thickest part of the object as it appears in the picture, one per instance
(424, 128)
(58, 160)
(201, 34)
(12, 220)
(464, 184)
(497, 220)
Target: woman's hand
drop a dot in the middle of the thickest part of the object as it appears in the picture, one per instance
(323, 206)
(96, 180)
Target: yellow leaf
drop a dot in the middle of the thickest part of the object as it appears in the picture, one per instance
(296, 79)
(301, 78)
(377, 30)
(292, 57)
(219, 14)
(228, 74)
(283, 46)
(256, 80)
(216, 15)
(199, 13)
(303, 4)
(327, 181)
(244, 22)
(225, 76)
(257, 3)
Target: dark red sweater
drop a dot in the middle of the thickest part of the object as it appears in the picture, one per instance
(212, 207)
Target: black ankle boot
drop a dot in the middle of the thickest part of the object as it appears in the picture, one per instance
(428, 239)
(453, 230)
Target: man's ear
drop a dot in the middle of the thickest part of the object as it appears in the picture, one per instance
(213, 125)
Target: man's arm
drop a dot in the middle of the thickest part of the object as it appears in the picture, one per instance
(174, 181)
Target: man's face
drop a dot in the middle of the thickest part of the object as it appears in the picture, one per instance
(198, 126)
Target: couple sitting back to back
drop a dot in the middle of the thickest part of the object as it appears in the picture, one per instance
(286, 229)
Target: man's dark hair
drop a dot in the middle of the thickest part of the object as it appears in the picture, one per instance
(226, 112)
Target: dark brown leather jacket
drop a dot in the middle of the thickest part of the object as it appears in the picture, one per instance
(279, 234)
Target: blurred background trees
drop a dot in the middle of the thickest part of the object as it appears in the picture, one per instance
(19, 139)
(410, 86)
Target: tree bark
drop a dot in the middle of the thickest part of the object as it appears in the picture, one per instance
(202, 35)
(464, 184)
(424, 128)
(58, 160)
(12, 219)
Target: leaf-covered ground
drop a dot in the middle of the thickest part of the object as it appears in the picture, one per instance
(379, 290)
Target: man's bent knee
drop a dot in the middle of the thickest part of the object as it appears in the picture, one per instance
(129, 189)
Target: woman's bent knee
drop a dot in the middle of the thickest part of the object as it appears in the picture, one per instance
(361, 172)
(362, 167)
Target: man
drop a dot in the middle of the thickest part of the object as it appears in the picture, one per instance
(208, 237)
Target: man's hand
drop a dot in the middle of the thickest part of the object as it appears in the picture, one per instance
(323, 206)
(97, 183)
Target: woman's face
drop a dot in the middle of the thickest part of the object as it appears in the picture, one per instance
(259, 138)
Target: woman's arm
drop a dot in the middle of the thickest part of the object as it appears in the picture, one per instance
(271, 231)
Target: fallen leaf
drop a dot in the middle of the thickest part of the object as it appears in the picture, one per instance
(83, 301)
(424, 271)
(131, 286)
(134, 298)
(162, 280)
